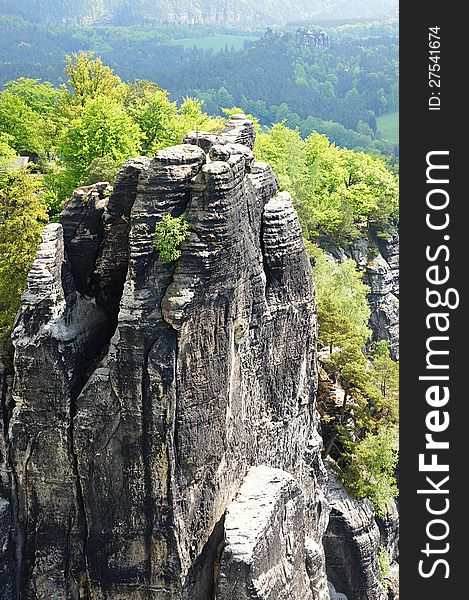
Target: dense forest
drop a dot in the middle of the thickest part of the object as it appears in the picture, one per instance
(336, 81)
(126, 12)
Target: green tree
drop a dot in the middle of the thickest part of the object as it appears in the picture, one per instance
(162, 123)
(385, 374)
(150, 108)
(41, 96)
(341, 297)
(103, 129)
(27, 130)
(345, 191)
(372, 466)
(7, 156)
(192, 118)
(89, 78)
(22, 218)
(102, 169)
(284, 149)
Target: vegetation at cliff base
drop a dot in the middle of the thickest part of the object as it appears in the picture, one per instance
(358, 393)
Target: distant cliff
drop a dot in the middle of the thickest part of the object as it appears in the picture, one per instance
(159, 434)
(209, 12)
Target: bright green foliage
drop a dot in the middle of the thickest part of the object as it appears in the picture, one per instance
(164, 124)
(22, 218)
(88, 79)
(41, 96)
(7, 155)
(338, 193)
(372, 467)
(385, 375)
(192, 118)
(149, 107)
(170, 232)
(6, 151)
(84, 131)
(103, 129)
(284, 150)
(341, 294)
(27, 129)
(102, 169)
(362, 427)
(384, 566)
(58, 183)
(345, 87)
(345, 191)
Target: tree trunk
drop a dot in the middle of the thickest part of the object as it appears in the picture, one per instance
(330, 443)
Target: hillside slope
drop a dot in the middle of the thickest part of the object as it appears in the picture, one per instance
(215, 12)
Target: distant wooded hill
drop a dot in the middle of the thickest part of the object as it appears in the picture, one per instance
(212, 12)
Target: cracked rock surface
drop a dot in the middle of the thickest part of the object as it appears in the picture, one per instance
(351, 544)
(144, 392)
(264, 556)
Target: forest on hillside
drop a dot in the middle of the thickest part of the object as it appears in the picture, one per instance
(337, 80)
(212, 12)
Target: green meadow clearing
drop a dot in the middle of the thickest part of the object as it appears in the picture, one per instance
(389, 127)
(215, 42)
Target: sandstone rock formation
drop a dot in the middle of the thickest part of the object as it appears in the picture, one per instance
(264, 555)
(382, 275)
(351, 543)
(145, 391)
(159, 438)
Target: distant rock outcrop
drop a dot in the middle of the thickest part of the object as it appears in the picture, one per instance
(351, 543)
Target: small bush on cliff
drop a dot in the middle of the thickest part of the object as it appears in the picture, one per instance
(170, 232)
(384, 566)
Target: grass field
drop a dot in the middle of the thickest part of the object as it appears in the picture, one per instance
(389, 127)
(216, 42)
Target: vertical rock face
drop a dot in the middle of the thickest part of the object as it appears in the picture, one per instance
(351, 544)
(382, 274)
(63, 325)
(264, 555)
(6, 517)
(145, 391)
